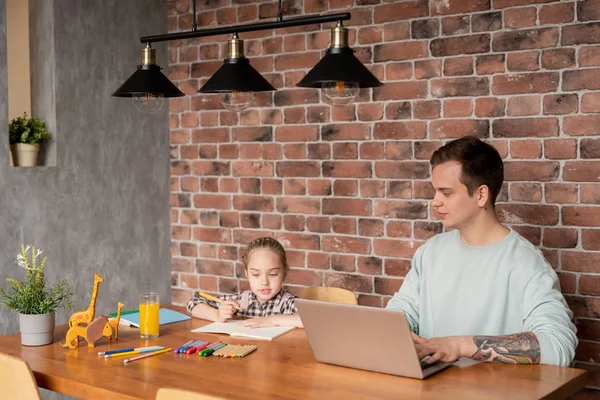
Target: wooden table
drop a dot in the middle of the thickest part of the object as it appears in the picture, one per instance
(283, 368)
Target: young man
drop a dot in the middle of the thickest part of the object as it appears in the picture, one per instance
(481, 290)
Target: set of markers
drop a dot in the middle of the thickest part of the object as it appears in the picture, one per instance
(202, 347)
(216, 349)
(138, 352)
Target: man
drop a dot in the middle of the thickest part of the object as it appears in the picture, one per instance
(481, 290)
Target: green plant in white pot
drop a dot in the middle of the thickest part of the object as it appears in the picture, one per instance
(34, 300)
(25, 136)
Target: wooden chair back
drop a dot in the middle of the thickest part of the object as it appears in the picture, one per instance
(178, 394)
(16, 379)
(330, 294)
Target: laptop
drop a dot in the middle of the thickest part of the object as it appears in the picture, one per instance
(369, 338)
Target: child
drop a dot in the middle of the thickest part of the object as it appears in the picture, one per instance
(266, 268)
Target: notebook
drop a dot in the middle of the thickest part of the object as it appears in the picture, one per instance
(166, 316)
(233, 329)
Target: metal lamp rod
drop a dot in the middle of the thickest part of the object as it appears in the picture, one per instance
(315, 19)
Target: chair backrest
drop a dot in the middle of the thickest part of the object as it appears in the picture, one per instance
(178, 394)
(16, 379)
(330, 294)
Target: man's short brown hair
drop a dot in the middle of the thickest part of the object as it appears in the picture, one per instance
(481, 164)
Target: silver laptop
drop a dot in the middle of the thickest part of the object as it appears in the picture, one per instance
(368, 338)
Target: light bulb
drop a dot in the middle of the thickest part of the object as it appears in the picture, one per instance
(147, 103)
(236, 101)
(339, 93)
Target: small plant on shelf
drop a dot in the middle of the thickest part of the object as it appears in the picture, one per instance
(25, 136)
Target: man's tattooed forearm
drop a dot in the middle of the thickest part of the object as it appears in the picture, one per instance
(520, 348)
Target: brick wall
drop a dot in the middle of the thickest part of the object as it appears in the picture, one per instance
(346, 189)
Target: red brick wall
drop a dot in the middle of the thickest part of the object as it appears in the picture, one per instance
(346, 189)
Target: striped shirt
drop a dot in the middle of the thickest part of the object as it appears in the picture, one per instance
(283, 303)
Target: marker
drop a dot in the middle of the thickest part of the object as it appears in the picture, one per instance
(210, 350)
(182, 346)
(195, 347)
(218, 348)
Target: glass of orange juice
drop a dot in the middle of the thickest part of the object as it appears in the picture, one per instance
(149, 315)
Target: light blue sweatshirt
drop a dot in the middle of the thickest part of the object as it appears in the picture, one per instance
(508, 287)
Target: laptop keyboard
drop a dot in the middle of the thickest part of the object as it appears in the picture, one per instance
(425, 366)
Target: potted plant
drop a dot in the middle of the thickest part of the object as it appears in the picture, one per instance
(34, 300)
(25, 136)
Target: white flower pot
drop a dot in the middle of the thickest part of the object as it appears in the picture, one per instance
(25, 155)
(36, 330)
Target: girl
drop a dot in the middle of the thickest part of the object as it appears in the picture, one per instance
(266, 268)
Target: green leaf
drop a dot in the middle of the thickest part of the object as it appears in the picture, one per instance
(28, 130)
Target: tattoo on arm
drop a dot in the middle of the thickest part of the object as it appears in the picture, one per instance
(520, 348)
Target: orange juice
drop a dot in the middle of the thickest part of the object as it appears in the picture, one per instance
(149, 320)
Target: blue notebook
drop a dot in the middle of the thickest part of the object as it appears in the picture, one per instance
(167, 316)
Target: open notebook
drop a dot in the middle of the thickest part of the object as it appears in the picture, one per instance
(233, 329)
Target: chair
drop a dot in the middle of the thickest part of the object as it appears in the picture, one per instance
(16, 379)
(178, 394)
(330, 294)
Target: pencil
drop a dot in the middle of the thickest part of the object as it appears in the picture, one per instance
(250, 350)
(134, 352)
(213, 298)
(105, 353)
(154, 353)
(230, 351)
(240, 351)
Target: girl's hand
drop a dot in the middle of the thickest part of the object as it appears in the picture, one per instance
(263, 322)
(226, 310)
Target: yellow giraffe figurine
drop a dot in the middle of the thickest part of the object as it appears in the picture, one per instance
(85, 317)
(115, 322)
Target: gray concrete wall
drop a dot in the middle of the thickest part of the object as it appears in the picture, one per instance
(105, 206)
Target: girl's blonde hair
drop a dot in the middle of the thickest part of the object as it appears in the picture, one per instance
(266, 243)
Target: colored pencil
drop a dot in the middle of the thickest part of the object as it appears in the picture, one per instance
(238, 351)
(155, 353)
(221, 350)
(135, 352)
(248, 351)
(213, 298)
(233, 352)
(226, 350)
(103, 353)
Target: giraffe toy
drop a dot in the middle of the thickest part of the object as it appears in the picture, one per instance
(85, 317)
(115, 322)
(91, 333)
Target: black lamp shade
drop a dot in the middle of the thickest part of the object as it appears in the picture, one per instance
(148, 79)
(236, 75)
(339, 65)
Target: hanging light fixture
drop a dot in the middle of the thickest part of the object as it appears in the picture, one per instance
(339, 74)
(236, 80)
(148, 87)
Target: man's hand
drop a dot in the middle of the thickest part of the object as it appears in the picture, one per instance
(263, 322)
(226, 310)
(445, 349)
